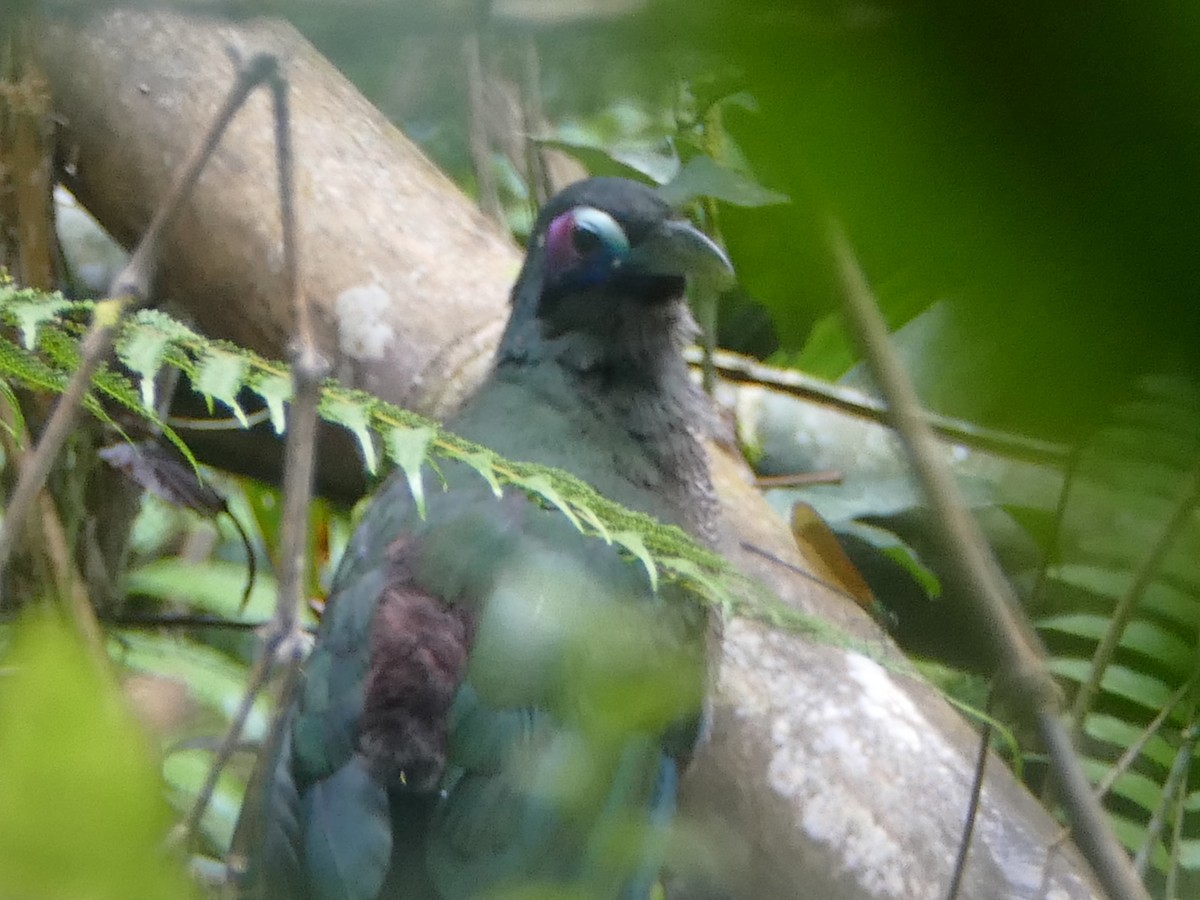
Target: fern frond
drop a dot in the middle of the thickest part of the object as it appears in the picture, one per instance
(151, 341)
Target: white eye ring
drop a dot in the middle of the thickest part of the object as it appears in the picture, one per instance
(604, 226)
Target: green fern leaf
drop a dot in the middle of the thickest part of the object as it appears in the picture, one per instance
(275, 389)
(483, 463)
(353, 412)
(541, 486)
(632, 542)
(142, 351)
(408, 448)
(220, 377)
(17, 428)
(31, 313)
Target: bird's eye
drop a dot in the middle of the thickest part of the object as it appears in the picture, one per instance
(585, 245)
(584, 240)
(595, 234)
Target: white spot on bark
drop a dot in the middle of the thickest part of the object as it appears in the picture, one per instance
(834, 742)
(364, 332)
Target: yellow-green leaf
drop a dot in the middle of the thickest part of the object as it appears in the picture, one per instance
(221, 376)
(354, 414)
(275, 390)
(81, 806)
(142, 353)
(632, 541)
(408, 448)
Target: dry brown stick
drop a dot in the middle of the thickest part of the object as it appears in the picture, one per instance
(1029, 685)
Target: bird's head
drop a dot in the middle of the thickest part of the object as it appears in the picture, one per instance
(606, 270)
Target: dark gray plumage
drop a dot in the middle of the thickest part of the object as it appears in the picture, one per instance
(495, 702)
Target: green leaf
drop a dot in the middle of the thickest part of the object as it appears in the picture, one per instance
(275, 391)
(1146, 638)
(1189, 853)
(589, 516)
(1133, 786)
(1142, 689)
(632, 542)
(142, 349)
(702, 176)
(482, 463)
(185, 772)
(1114, 583)
(638, 166)
(1192, 803)
(17, 428)
(714, 587)
(541, 485)
(216, 681)
(81, 807)
(211, 586)
(353, 412)
(1133, 834)
(1102, 580)
(31, 314)
(221, 376)
(408, 448)
(142, 353)
(1124, 734)
(897, 550)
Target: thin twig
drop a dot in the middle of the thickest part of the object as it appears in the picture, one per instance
(283, 641)
(1134, 750)
(183, 832)
(1056, 538)
(803, 573)
(532, 120)
(1188, 496)
(1173, 787)
(799, 479)
(1181, 803)
(1029, 685)
(172, 620)
(740, 369)
(225, 423)
(480, 145)
(249, 831)
(964, 841)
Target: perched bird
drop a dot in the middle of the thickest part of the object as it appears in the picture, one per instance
(497, 705)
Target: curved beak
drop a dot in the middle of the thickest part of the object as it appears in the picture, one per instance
(678, 248)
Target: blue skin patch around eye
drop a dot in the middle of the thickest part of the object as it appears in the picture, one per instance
(584, 245)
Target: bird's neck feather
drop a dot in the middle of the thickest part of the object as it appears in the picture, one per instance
(617, 408)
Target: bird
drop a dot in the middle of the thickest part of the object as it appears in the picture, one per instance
(497, 705)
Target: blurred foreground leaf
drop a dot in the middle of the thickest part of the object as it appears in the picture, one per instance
(81, 808)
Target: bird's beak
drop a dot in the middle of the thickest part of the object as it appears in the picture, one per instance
(679, 248)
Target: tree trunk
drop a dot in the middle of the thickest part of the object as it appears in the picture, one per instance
(826, 774)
